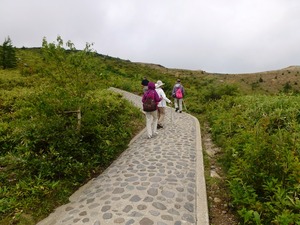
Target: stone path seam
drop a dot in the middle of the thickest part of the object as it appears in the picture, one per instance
(158, 181)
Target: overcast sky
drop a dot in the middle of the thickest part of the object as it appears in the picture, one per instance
(221, 36)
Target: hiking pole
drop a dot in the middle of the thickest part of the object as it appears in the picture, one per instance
(172, 114)
(184, 105)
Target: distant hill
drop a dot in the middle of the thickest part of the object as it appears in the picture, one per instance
(265, 82)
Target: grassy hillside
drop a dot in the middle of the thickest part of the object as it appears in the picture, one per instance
(254, 118)
(265, 82)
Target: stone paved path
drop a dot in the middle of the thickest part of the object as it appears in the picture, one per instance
(158, 181)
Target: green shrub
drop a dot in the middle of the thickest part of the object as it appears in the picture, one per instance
(58, 128)
(51, 146)
(260, 137)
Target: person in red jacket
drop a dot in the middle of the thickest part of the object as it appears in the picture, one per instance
(151, 117)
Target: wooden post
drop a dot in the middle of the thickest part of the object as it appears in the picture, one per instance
(78, 117)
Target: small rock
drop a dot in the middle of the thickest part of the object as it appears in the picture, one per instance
(214, 174)
(217, 200)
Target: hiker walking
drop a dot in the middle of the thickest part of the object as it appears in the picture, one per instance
(150, 100)
(161, 111)
(178, 94)
(144, 84)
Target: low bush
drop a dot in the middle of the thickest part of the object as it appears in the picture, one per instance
(260, 139)
(49, 146)
(58, 128)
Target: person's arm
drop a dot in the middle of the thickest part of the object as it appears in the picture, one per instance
(156, 97)
(144, 97)
(173, 92)
(160, 93)
(163, 95)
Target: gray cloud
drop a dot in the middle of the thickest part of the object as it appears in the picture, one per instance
(232, 36)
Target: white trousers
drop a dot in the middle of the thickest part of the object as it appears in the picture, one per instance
(178, 103)
(151, 123)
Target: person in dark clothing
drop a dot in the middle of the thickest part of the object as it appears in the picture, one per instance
(144, 83)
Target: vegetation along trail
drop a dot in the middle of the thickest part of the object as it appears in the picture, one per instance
(61, 127)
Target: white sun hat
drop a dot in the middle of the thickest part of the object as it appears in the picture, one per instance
(159, 83)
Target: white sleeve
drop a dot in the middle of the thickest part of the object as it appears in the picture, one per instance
(163, 95)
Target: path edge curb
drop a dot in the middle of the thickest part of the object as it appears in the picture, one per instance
(201, 201)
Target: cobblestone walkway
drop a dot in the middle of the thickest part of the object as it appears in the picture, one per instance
(158, 181)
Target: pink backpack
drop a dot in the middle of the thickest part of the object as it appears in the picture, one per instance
(178, 93)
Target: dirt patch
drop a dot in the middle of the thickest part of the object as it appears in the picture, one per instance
(220, 210)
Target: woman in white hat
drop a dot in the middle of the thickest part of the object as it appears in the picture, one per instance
(162, 104)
